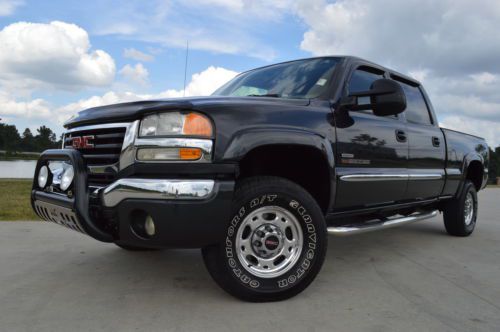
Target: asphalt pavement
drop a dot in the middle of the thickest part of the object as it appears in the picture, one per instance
(412, 278)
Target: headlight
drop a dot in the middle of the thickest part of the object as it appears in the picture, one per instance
(43, 176)
(67, 178)
(175, 123)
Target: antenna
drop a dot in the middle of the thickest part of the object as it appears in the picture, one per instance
(185, 68)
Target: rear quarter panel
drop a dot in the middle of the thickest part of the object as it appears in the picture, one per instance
(461, 150)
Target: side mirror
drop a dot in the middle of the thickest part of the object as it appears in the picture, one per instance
(386, 98)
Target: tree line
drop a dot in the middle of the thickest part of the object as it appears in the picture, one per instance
(11, 141)
(45, 138)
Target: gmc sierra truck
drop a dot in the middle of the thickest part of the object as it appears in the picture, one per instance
(261, 172)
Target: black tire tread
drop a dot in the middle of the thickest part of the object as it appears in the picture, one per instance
(211, 253)
(134, 248)
(453, 212)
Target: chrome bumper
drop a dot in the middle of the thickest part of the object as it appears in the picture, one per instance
(156, 189)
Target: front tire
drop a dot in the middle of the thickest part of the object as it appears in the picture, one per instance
(274, 245)
(460, 214)
(134, 248)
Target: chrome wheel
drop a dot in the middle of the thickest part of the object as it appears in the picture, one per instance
(468, 209)
(269, 242)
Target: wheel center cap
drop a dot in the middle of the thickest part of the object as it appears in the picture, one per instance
(267, 241)
(272, 242)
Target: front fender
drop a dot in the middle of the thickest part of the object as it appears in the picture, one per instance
(247, 140)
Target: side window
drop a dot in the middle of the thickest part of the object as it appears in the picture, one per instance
(361, 80)
(416, 108)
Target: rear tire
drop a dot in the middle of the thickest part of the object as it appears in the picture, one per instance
(460, 214)
(274, 245)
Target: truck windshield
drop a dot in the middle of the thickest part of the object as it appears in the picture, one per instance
(301, 79)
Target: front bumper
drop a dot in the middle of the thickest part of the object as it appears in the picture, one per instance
(187, 212)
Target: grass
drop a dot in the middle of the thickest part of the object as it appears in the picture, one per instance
(15, 200)
(18, 156)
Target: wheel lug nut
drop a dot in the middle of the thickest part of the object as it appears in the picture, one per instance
(257, 243)
(260, 234)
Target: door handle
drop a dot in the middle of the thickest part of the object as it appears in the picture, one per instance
(401, 135)
(435, 141)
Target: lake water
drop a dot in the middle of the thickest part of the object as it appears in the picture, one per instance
(17, 169)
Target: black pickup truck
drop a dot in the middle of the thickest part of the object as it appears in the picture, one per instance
(261, 172)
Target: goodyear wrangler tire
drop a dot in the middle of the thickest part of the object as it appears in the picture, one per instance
(275, 242)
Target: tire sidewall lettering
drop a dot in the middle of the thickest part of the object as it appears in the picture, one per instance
(309, 248)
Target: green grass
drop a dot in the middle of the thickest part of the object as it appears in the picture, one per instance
(15, 200)
(18, 156)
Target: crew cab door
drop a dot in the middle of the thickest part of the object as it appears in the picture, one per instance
(371, 151)
(427, 150)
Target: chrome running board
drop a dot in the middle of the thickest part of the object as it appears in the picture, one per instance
(376, 225)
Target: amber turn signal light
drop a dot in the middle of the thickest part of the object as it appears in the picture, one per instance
(189, 154)
(197, 125)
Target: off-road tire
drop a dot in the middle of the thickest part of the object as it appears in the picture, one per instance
(259, 194)
(455, 214)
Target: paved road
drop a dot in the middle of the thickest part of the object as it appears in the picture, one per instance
(414, 278)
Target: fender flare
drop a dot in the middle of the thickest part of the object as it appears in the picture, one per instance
(468, 160)
(247, 140)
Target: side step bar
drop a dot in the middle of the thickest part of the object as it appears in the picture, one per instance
(376, 225)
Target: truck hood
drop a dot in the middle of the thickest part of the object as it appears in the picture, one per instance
(135, 110)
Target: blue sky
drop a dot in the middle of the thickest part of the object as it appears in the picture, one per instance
(103, 52)
(167, 68)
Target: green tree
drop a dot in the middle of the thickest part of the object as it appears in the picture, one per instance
(45, 139)
(9, 137)
(28, 141)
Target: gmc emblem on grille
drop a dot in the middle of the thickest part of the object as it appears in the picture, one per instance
(82, 142)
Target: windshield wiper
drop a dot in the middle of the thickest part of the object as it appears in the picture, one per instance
(274, 95)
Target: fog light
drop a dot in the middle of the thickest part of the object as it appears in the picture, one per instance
(67, 178)
(43, 176)
(149, 226)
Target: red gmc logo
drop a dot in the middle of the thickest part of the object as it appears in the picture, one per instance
(82, 142)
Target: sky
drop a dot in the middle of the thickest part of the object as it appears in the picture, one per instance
(60, 57)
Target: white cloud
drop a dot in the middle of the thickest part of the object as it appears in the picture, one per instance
(137, 74)
(63, 113)
(119, 28)
(484, 78)
(209, 80)
(218, 26)
(8, 7)
(57, 54)
(471, 125)
(201, 84)
(36, 108)
(448, 45)
(132, 53)
(446, 36)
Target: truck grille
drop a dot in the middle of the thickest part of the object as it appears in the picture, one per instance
(107, 145)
